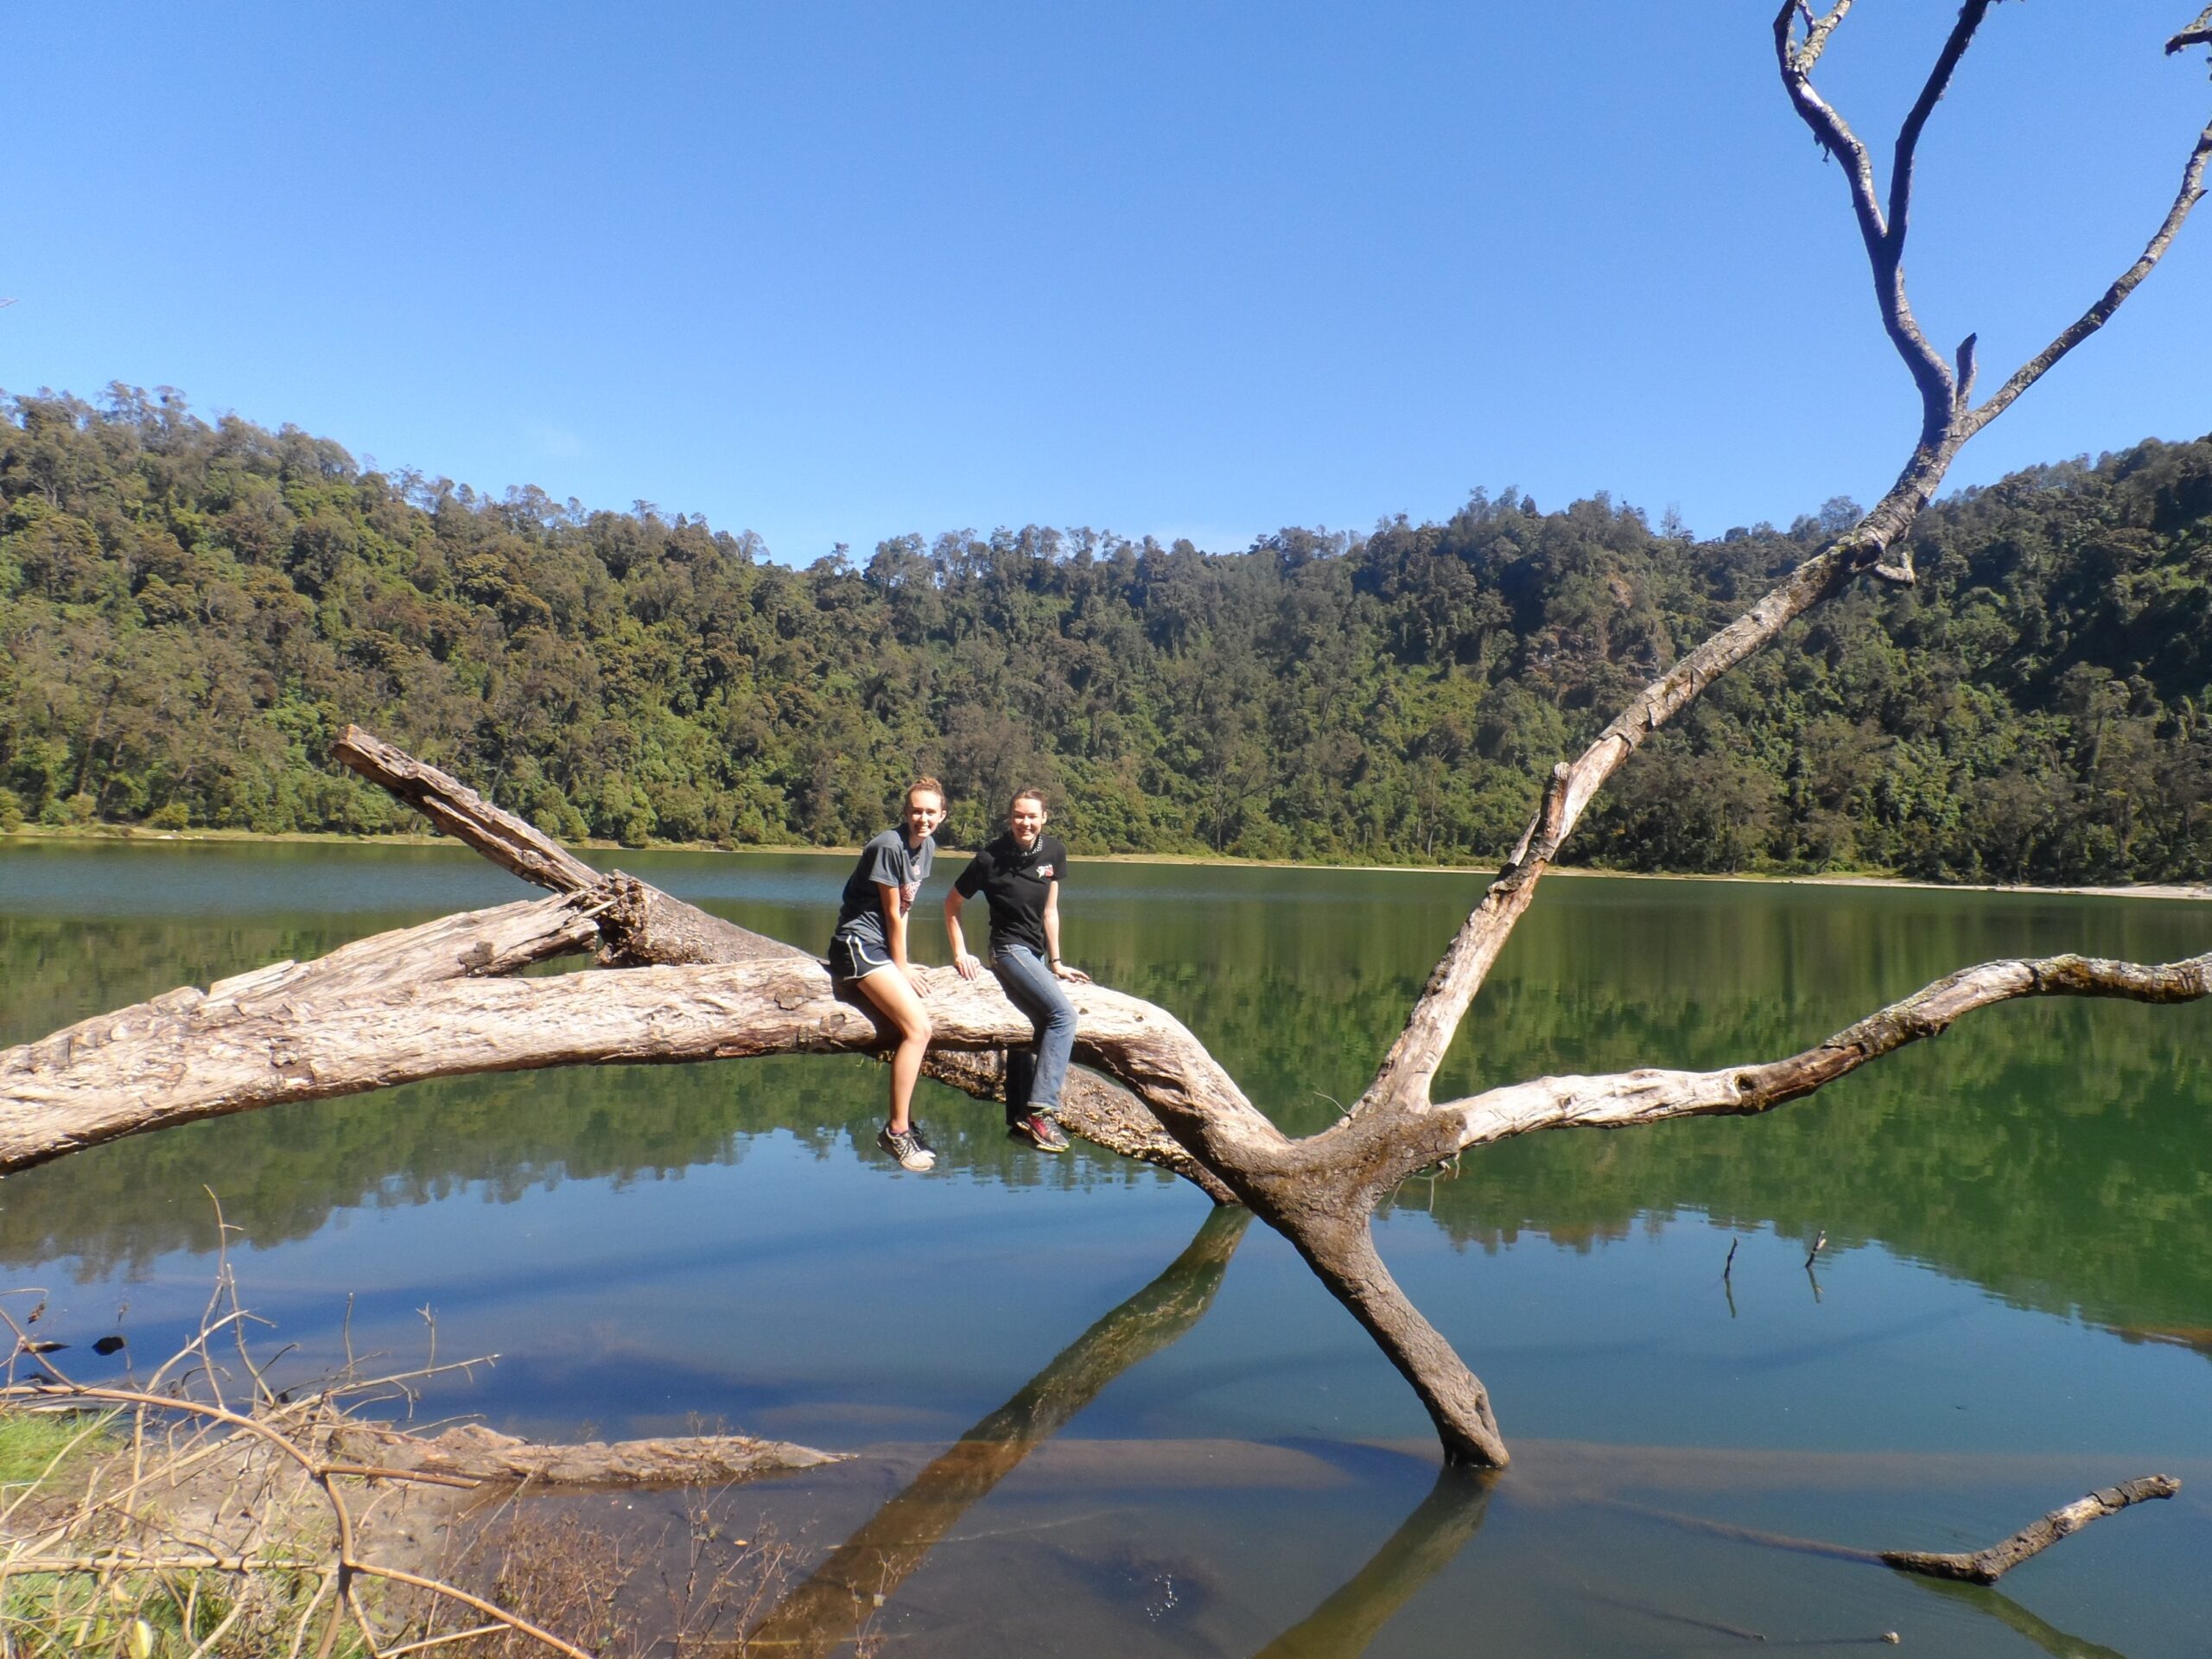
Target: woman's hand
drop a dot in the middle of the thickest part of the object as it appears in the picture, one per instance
(969, 963)
(1073, 975)
(916, 976)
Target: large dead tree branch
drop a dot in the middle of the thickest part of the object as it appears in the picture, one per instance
(1652, 1096)
(648, 926)
(292, 1033)
(2191, 191)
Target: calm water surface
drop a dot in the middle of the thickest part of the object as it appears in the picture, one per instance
(1182, 1444)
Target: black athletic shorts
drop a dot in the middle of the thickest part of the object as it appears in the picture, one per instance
(852, 958)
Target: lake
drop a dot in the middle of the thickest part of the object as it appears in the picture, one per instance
(1180, 1443)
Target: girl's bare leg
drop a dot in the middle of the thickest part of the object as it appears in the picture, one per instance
(890, 990)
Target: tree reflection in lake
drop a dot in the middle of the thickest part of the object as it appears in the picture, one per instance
(826, 1611)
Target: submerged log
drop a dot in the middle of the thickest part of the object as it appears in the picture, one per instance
(1987, 1565)
(472, 1452)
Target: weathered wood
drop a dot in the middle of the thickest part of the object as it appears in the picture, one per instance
(1987, 1565)
(1875, 545)
(472, 1451)
(143, 1068)
(1654, 1096)
(293, 1033)
(648, 926)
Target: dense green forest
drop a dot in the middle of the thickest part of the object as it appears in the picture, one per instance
(190, 611)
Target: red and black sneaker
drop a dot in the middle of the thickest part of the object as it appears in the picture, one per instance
(1040, 1132)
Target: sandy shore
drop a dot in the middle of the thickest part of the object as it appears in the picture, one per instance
(2187, 891)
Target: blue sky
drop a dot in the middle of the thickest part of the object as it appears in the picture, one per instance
(837, 272)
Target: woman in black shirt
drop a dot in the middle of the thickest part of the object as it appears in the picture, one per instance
(1019, 874)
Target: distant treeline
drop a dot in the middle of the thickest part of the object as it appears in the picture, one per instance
(190, 611)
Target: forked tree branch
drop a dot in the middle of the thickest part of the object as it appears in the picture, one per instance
(651, 928)
(1882, 235)
(1403, 1079)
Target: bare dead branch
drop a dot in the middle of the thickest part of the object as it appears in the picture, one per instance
(1884, 239)
(2191, 191)
(308, 1037)
(1874, 546)
(2197, 34)
(1817, 30)
(1915, 120)
(1987, 1565)
(459, 810)
(1404, 1076)
(1626, 1098)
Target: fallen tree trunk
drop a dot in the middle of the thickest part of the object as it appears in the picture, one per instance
(650, 927)
(296, 1032)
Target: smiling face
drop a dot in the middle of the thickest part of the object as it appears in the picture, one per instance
(924, 811)
(1026, 818)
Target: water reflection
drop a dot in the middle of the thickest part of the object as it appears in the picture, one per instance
(647, 1244)
(839, 1597)
(1346, 1624)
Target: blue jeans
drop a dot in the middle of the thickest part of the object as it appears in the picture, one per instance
(1034, 1075)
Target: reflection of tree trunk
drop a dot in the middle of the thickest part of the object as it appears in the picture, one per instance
(2014, 1617)
(1342, 1626)
(826, 1611)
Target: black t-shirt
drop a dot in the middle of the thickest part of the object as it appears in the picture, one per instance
(1016, 883)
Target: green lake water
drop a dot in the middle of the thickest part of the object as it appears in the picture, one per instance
(1180, 1444)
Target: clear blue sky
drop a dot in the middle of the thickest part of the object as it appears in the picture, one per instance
(836, 272)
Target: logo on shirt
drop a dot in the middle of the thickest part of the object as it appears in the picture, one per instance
(1044, 872)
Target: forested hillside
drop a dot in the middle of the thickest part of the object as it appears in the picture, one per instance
(189, 612)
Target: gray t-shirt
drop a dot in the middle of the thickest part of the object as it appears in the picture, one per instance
(888, 862)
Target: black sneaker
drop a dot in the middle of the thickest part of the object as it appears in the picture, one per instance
(907, 1147)
(1040, 1132)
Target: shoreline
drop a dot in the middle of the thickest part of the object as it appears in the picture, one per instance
(132, 835)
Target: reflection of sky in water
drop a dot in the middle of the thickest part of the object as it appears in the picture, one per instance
(656, 1245)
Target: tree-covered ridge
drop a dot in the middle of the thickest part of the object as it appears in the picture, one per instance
(190, 611)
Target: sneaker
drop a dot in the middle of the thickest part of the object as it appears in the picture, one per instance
(1040, 1132)
(907, 1147)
